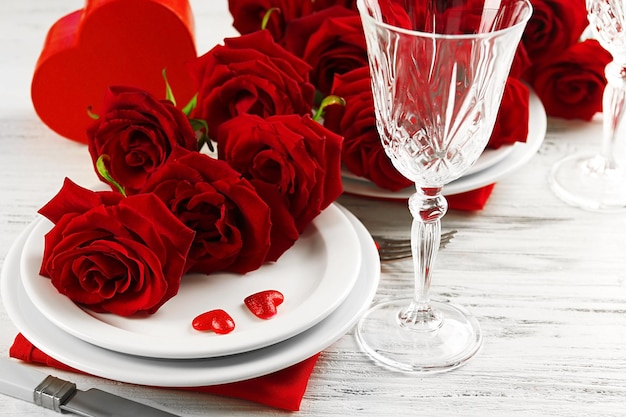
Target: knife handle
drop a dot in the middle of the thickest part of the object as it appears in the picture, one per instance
(18, 380)
(28, 384)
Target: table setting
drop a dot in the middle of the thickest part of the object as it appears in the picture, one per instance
(197, 202)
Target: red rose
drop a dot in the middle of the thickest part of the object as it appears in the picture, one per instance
(231, 221)
(512, 121)
(248, 14)
(284, 232)
(331, 41)
(113, 254)
(554, 26)
(571, 84)
(521, 62)
(396, 13)
(138, 133)
(251, 74)
(363, 152)
(295, 154)
(298, 31)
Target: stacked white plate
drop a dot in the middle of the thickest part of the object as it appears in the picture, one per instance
(492, 165)
(329, 278)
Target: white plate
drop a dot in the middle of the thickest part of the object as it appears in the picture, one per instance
(315, 276)
(518, 155)
(490, 157)
(192, 372)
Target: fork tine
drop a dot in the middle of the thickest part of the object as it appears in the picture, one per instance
(393, 249)
(395, 257)
(402, 244)
(405, 251)
(385, 242)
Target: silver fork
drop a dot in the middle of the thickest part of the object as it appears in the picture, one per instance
(391, 249)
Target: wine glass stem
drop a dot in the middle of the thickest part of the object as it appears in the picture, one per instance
(613, 106)
(427, 207)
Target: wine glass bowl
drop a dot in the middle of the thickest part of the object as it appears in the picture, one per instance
(607, 19)
(438, 71)
(597, 182)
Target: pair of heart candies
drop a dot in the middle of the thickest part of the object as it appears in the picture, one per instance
(262, 304)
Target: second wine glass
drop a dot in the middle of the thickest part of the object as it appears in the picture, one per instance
(597, 182)
(438, 72)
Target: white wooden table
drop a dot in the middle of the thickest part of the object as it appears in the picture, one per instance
(547, 281)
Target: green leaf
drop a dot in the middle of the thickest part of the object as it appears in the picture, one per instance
(191, 105)
(104, 172)
(91, 114)
(327, 101)
(169, 94)
(200, 125)
(266, 16)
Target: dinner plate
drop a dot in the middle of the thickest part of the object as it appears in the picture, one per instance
(490, 157)
(118, 366)
(315, 276)
(518, 154)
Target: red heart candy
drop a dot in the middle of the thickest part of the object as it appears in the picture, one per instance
(217, 321)
(111, 42)
(263, 304)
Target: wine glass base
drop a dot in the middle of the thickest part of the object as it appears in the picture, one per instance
(579, 181)
(399, 348)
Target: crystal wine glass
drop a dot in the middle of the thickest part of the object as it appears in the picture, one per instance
(438, 70)
(598, 182)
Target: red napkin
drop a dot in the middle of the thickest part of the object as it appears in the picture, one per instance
(470, 200)
(282, 389)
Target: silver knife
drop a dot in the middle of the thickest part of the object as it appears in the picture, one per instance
(28, 384)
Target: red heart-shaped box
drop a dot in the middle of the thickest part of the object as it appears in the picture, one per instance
(111, 42)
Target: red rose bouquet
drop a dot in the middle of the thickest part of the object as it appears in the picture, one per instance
(187, 211)
(566, 74)
(276, 170)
